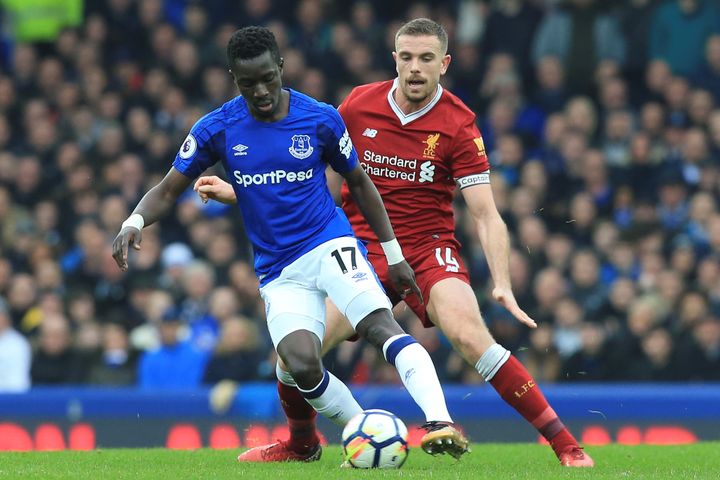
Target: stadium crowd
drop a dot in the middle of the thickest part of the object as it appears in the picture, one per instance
(601, 120)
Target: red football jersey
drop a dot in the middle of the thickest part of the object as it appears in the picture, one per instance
(415, 160)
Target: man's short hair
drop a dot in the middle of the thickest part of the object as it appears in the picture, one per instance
(424, 26)
(251, 42)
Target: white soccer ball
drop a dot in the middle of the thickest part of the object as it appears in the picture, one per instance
(375, 439)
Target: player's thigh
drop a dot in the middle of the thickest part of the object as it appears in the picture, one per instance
(399, 309)
(337, 327)
(350, 281)
(291, 306)
(453, 308)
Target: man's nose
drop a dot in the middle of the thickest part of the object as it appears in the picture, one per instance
(261, 90)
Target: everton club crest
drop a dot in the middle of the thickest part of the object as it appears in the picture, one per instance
(301, 147)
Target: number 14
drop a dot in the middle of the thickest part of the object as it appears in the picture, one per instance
(450, 263)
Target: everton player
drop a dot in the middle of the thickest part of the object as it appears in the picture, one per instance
(275, 145)
(418, 142)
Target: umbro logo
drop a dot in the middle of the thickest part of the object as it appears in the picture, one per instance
(240, 150)
(360, 276)
(370, 132)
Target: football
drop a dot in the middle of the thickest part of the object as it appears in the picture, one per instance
(375, 439)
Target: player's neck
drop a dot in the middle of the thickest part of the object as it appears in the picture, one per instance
(407, 106)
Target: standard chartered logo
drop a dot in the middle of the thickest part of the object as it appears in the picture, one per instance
(427, 172)
(271, 178)
(388, 166)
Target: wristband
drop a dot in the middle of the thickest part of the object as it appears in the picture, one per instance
(135, 220)
(393, 252)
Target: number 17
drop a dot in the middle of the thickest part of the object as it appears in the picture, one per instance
(341, 263)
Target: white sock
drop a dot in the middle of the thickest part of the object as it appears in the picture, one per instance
(418, 374)
(332, 399)
(491, 361)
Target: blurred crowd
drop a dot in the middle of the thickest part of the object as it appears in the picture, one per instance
(603, 133)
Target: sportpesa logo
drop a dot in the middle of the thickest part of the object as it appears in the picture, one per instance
(271, 178)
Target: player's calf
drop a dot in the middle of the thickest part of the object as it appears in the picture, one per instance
(326, 393)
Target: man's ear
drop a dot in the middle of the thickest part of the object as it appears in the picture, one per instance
(281, 63)
(445, 64)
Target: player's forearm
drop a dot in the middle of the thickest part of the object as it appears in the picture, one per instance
(495, 242)
(370, 204)
(155, 204)
(159, 200)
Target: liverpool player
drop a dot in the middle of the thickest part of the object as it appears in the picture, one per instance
(418, 142)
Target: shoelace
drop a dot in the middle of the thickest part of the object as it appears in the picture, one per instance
(577, 453)
(433, 426)
(278, 444)
(281, 444)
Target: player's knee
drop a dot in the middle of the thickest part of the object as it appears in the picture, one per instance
(471, 343)
(377, 327)
(467, 345)
(307, 374)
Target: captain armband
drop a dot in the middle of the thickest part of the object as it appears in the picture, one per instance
(476, 179)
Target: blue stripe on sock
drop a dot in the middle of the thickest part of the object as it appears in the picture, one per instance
(319, 390)
(396, 347)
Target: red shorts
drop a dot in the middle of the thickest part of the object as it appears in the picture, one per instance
(432, 259)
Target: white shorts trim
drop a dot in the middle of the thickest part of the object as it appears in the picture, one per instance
(364, 304)
(284, 324)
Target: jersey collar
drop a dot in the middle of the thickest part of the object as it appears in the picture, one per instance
(405, 119)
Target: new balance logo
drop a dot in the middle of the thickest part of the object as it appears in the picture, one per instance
(240, 150)
(370, 132)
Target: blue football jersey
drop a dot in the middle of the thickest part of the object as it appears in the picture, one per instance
(277, 170)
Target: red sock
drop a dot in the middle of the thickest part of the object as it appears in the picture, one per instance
(301, 419)
(517, 387)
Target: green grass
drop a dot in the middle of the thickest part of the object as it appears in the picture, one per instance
(487, 461)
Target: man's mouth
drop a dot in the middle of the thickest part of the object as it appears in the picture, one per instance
(264, 106)
(416, 82)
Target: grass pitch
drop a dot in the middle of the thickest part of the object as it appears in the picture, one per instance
(486, 461)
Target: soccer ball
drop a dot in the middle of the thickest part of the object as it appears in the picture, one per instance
(375, 439)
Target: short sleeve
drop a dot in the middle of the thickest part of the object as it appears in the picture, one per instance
(469, 160)
(339, 151)
(197, 152)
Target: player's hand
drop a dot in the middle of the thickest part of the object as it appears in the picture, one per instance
(506, 298)
(403, 277)
(215, 188)
(128, 237)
